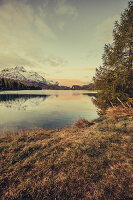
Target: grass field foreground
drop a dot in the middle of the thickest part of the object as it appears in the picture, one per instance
(89, 160)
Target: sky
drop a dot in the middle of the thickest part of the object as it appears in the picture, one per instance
(62, 40)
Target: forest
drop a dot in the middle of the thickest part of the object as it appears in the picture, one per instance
(10, 84)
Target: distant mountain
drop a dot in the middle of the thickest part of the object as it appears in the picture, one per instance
(28, 79)
(90, 86)
(21, 74)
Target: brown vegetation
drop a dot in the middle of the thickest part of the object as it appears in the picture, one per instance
(125, 109)
(90, 162)
(117, 111)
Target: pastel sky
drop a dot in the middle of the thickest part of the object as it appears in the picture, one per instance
(63, 40)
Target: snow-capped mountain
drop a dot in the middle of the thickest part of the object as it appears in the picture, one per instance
(20, 73)
(50, 82)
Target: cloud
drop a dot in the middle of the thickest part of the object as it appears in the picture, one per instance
(21, 27)
(82, 69)
(54, 61)
(107, 23)
(61, 25)
(44, 28)
(13, 60)
(18, 16)
(77, 69)
(65, 8)
(105, 29)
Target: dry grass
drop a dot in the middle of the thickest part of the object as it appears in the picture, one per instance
(124, 109)
(118, 111)
(86, 161)
(82, 123)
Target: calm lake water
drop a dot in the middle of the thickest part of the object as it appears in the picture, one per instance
(44, 109)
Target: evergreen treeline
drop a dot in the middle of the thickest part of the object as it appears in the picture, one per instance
(114, 79)
(10, 84)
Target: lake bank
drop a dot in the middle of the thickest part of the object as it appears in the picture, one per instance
(89, 160)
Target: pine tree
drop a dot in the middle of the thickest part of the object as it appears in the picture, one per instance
(114, 79)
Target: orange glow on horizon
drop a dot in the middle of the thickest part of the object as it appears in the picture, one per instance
(67, 82)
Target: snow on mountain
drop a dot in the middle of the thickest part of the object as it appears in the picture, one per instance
(50, 82)
(20, 73)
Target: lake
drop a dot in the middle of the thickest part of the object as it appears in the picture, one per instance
(44, 109)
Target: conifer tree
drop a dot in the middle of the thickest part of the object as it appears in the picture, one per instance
(114, 79)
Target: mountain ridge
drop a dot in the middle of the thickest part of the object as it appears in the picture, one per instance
(21, 74)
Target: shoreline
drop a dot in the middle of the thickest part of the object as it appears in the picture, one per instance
(79, 162)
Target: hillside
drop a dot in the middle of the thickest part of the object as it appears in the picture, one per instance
(90, 86)
(10, 84)
(21, 74)
(90, 160)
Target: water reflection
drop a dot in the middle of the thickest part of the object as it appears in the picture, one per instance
(21, 101)
(13, 97)
(44, 109)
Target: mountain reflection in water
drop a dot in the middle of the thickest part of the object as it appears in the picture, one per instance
(13, 97)
(21, 101)
(44, 109)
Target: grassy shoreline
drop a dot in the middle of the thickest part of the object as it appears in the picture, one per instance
(89, 160)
